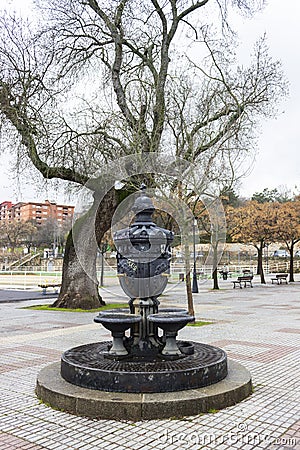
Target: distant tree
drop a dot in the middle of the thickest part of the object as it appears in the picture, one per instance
(16, 233)
(272, 195)
(51, 233)
(255, 224)
(212, 225)
(288, 229)
(30, 235)
(229, 197)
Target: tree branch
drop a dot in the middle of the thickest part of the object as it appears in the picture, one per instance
(25, 130)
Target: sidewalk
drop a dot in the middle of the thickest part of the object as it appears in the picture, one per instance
(14, 295)
(258, 327)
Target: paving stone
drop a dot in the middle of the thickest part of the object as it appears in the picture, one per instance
(260, 329)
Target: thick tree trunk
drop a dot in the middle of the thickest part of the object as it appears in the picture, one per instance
(79, 278)
(78, 289)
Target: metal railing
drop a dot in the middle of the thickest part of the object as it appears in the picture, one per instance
(27, 279)
(30, 277)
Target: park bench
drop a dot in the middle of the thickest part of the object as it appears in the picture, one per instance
(45, 286)
(246, 279)
(280, 277)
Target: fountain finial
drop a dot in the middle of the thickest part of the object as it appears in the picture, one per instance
(143, 204)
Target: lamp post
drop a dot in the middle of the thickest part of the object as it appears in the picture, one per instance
(103, 248)
(194, 284)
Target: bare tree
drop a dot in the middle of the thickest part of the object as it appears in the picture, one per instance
(121, 59)
(16, 233)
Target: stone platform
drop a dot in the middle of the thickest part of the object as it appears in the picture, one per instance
(52, 389)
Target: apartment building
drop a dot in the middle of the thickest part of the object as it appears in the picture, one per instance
(36, 212)
(5, 210)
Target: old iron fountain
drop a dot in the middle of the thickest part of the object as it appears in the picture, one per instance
(147, 358)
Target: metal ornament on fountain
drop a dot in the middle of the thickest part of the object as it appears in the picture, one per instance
(143, 252)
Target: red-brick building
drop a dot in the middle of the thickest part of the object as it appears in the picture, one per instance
(5, 210)
(36, 212)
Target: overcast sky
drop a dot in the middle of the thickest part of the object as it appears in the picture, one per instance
(278, 159)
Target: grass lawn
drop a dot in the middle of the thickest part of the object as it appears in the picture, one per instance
(102, 308)
(198, 323)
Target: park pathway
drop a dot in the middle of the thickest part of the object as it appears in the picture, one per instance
(258, 327)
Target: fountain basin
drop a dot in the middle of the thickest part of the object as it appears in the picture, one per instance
(173, 310)
(114, 311)
(117, 322)
(170, 323)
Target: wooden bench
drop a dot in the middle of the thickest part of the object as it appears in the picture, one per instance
(246, 279)
(280, 277)
(46, 286)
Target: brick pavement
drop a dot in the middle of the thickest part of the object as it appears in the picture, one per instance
(258, 327)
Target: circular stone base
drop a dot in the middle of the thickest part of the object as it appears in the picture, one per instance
(52, 389)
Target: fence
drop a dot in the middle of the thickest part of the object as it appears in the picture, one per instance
(31, 277)
(270, 267)
(27, 279)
